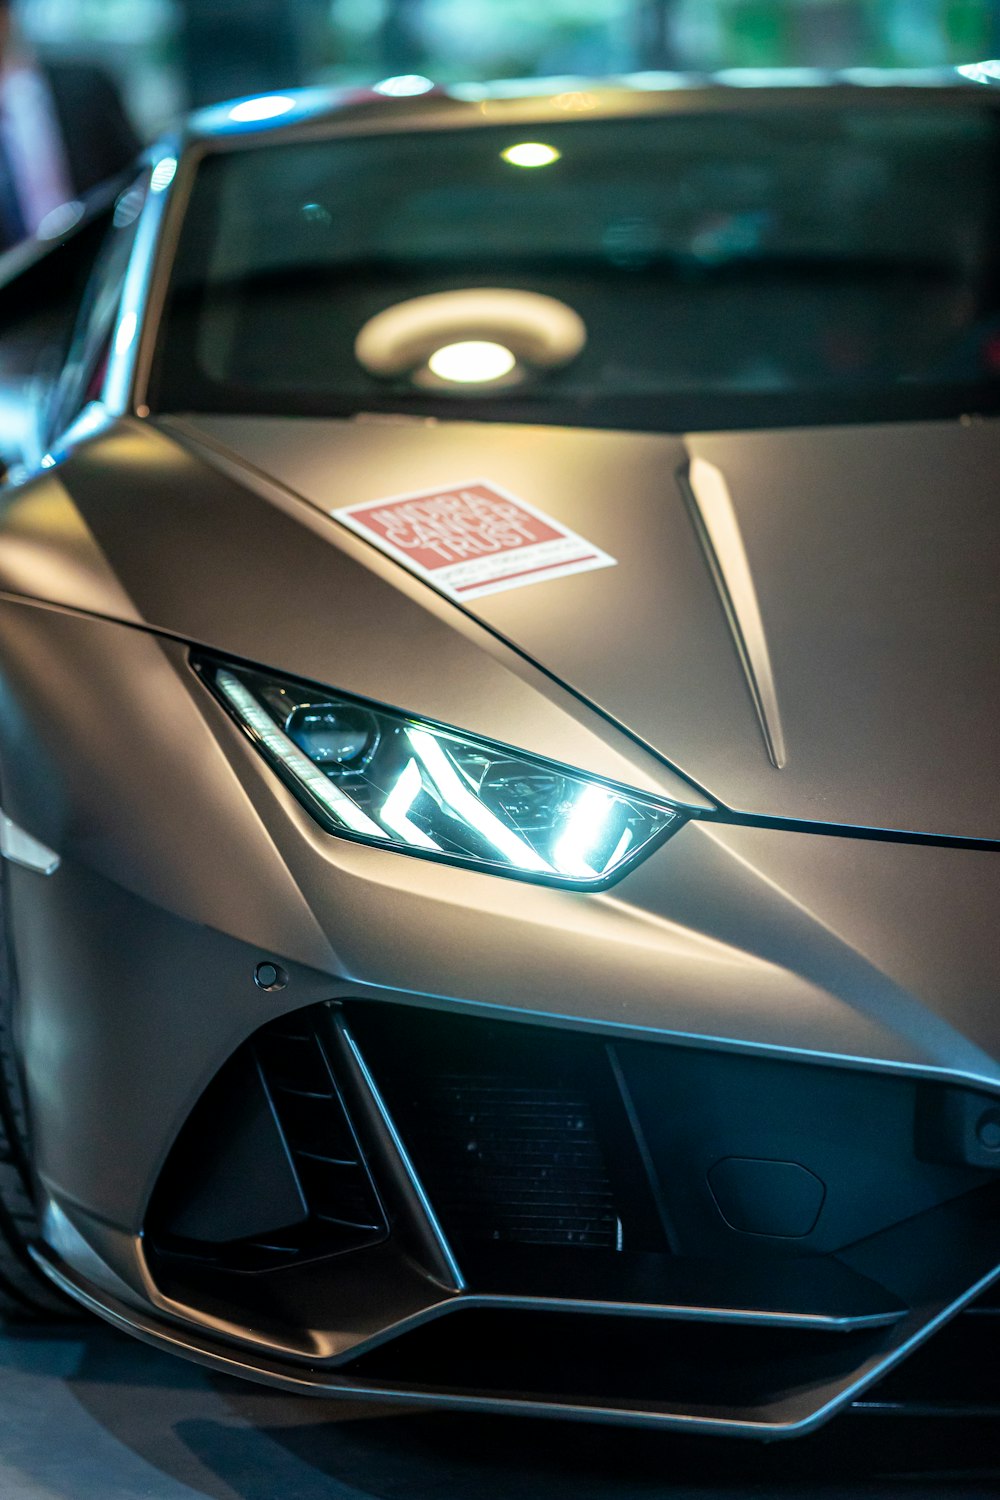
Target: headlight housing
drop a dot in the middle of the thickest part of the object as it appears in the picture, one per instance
(382, 777)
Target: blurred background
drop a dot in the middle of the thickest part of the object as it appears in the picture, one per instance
(167, 55)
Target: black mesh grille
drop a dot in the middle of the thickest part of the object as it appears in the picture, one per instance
(518, 1162)
(518, 1143)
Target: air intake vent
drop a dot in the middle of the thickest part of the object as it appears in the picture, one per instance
(313, 1119)
(513, 1142)
(519, 1162)
(268, 1170)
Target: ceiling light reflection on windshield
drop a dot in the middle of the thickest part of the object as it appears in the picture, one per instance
(264, 107)
(472, 362)
(404, 86)
(127, 329)
(531, 154)
(163, 174)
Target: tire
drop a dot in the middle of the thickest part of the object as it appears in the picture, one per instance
(26, 1295)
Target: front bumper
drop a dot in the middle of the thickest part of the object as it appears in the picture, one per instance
(412, 1205)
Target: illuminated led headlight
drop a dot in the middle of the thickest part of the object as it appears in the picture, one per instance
(381, 777)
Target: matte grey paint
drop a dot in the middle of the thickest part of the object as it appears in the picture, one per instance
(173, 831)
(134, 527)
(184, 863)
(872, 551)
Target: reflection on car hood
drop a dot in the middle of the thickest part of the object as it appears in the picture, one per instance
(873, 555)
(814, 636)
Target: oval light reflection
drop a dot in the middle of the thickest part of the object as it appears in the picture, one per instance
(472, 362)
(531, 154)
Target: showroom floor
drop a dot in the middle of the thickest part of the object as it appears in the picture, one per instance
(86, 1414)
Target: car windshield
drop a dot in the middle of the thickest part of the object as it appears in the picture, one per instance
(810, 262)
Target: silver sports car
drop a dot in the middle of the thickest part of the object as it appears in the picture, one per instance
(499, 680)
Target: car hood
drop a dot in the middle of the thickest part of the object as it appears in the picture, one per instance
(804, 622)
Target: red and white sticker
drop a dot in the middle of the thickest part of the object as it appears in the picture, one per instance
(473, 539)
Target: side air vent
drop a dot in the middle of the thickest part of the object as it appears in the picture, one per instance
(313, 1119)
(268, 1170)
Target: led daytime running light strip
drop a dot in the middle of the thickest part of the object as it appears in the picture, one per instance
(468, 806)
(289, 754)
(389, 778)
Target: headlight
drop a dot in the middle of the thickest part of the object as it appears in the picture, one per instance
(378, 776)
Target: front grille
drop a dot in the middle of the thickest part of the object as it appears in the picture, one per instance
(516, 1143)
(518, 1162)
